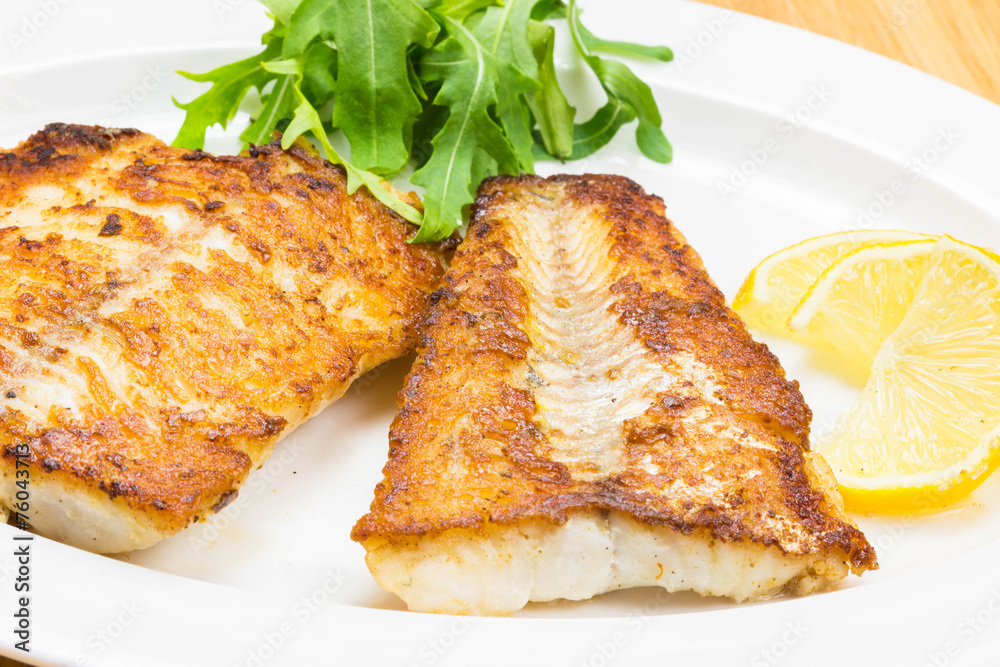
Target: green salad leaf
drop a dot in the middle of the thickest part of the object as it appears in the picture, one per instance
(230, 84)
(628, 97)
(457, 89)
(549, 107)
(468, 76)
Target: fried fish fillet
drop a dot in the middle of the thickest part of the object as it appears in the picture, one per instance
(586, 414)
(166, 316)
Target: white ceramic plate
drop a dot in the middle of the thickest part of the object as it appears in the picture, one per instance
(811, 134)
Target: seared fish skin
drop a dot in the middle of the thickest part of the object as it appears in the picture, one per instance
(586, 413)
(166, 316)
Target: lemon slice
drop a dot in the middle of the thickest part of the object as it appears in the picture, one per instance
(861, 298)
(775, 286)
(926, 429)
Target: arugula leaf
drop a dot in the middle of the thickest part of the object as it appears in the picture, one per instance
(504, 33)
(549, 107)
(278, 105)
(624, 88)
(593, 43)
(306, 119)
(601, 128)
(306, 24)
(424, 131)
(281, 9)
(319, 72)
(415, 82)
(468, 77)
(376, 105)
(549, 9)
(460, 9)
(653, 143)
(230, 84)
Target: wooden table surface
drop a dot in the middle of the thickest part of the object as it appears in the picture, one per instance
(956, 40)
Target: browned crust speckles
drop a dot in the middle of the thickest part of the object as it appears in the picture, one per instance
(190, 309)
(726, 457)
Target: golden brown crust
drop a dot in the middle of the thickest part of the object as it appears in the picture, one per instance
(194, 307)
(724, 455)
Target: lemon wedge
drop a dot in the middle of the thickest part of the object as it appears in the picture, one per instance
(862, 297)
(925, 430)
(774, 287)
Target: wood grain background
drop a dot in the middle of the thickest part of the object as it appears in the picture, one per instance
(956, 40)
